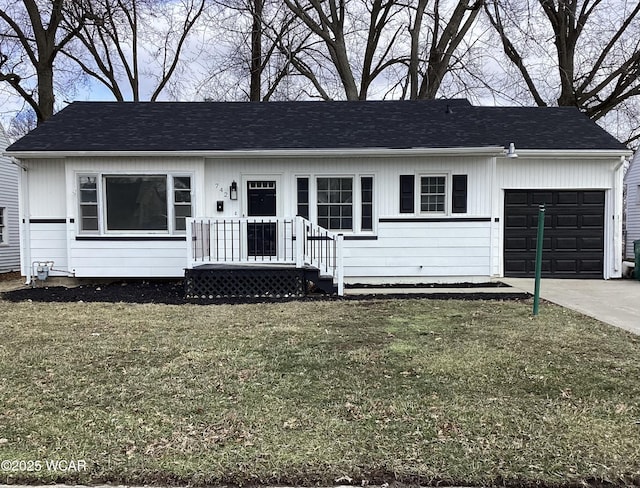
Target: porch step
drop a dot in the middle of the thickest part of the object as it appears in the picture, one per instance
(319, 282)
(212, 281)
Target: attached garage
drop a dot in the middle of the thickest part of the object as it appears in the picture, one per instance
(573, 236)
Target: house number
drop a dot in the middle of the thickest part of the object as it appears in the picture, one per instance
(221, 190)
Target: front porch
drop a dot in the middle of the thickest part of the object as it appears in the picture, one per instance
(264, 256)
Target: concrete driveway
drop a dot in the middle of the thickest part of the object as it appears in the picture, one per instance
(615, 302)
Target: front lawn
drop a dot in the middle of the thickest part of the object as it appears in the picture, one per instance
(454, 392)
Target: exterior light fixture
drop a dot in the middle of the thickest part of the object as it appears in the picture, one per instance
(511, 153)
(233, 190)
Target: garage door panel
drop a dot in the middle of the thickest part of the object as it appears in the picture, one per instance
(532, 242)
(573, 245)
(567, 198)
(591, 243)
(516, 198)
(517, 242)
(540, 197)
(566, 221)
(520, 221)
(591, 265)
(566, 266)
(516, 265)
(593, 198)
(566, 243)
(592, 220)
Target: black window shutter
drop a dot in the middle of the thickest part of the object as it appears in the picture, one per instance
(407, 184)
(459, 194)
(303, 197)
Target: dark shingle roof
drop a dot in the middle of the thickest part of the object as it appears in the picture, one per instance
(210, 126)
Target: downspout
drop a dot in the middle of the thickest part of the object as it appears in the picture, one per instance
(25, 231)
(617, 216)
(494, 268)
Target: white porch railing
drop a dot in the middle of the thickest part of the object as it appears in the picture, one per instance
(265, 240)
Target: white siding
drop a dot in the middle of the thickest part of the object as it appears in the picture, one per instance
(523, 173)
(123, 259)
(421, 252)
(632, 182)
(9, 184)
(47, 191)
(48, 244)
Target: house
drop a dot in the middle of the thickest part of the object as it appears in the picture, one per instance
(632, 207)
(9, 229)
(376, 192)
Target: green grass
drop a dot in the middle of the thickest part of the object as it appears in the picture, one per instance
(416, 391)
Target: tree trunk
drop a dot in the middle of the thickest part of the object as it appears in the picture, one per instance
(255, 85)
(46, 97)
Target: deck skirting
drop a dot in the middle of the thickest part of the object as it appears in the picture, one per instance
(216, 281)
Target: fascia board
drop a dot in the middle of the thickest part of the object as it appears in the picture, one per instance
(271, 153)
(571, 153)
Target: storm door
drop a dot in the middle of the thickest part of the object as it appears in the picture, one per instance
(262, 229)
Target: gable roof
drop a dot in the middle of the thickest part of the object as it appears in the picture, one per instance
(227, 126)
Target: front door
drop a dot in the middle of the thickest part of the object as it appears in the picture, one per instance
(261, 202)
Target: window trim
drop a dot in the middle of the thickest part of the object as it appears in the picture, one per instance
(446, 194)
(354, 201)
(80, 203)
(102, 203)
(4, 226)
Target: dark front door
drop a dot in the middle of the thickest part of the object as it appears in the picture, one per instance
(261, 202)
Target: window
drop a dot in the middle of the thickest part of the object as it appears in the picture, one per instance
(181, 201)
(303, 197)
(136, 202)
(366, 200)
(88, 203)
(432, 193)
(335, 203)
(132, 203)
(4, 239)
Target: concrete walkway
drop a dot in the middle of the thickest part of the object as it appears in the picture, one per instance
(615, 302)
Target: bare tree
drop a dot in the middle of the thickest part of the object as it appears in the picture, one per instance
(131, 41)
(447, 33)
(582, 53)
(31, 39)
(339, 23)
(255, 42)
(412, 44)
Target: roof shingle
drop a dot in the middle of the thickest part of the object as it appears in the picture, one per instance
(219, 126)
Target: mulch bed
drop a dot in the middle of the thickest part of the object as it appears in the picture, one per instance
(172, 293)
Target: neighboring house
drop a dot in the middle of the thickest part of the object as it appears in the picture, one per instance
(632, 208)
(386, 191)
(9, 228)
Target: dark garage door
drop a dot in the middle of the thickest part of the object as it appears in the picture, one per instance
(573, 235)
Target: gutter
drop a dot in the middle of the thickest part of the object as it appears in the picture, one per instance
(573, 153)
(271, 153)
(321, 153)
